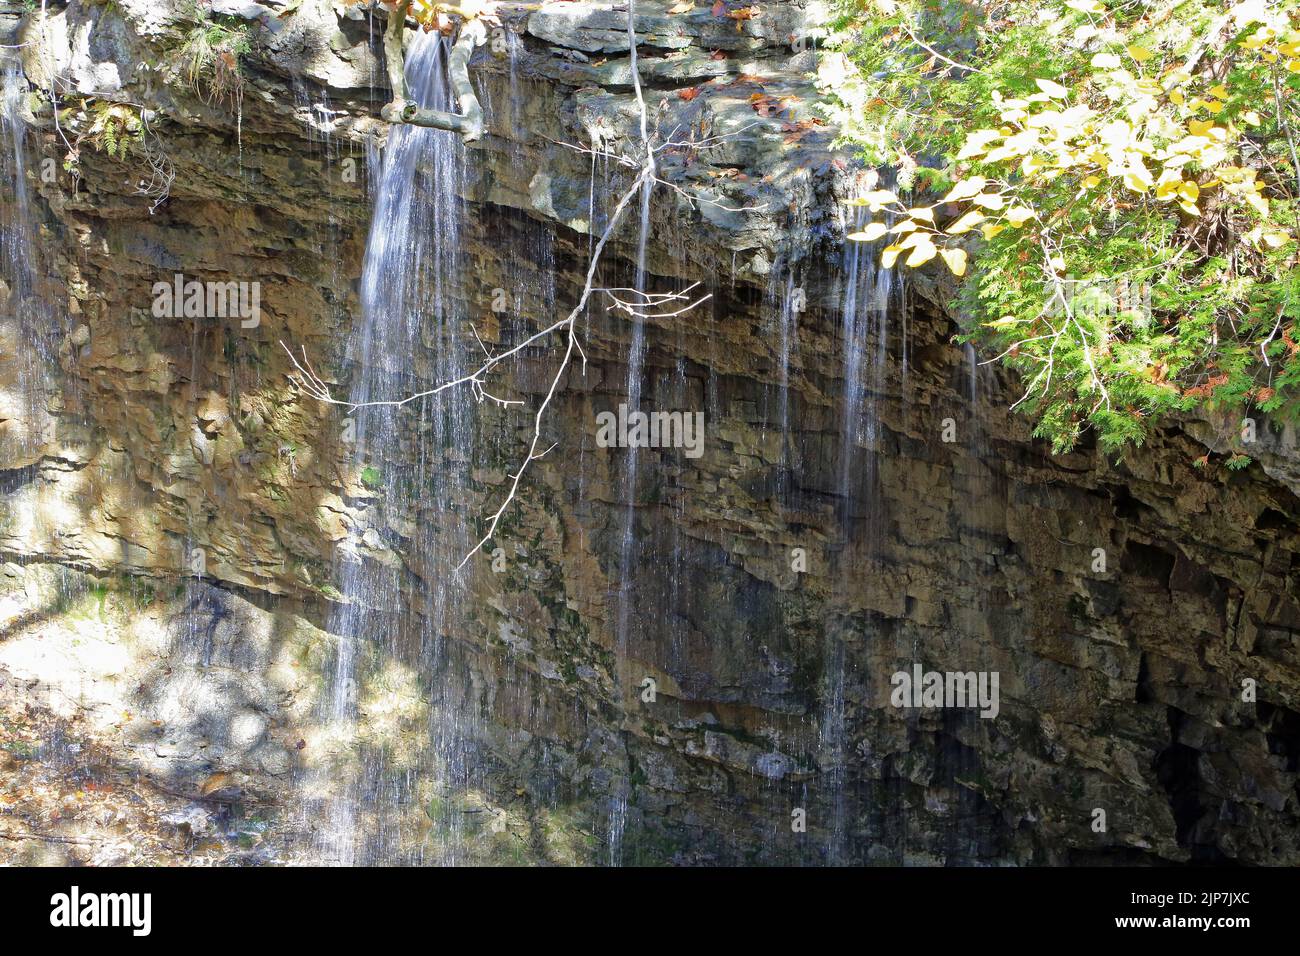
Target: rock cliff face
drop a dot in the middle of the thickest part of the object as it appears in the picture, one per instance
(659, 658)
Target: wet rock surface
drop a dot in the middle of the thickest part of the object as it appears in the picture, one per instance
(170, 458)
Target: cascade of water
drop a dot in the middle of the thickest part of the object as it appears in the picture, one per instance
(781, 304)
(408, 302)
(868, 293)
(514, 50)
(789, 331)
(628, 543)
(30, 325)
(850, 317)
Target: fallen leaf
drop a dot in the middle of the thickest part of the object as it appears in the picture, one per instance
(796, 131)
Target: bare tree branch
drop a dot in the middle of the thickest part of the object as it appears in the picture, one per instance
(637, 304)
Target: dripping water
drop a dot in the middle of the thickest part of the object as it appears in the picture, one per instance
(867, 296)
(30, 324)
(628, 544)
(408, 309)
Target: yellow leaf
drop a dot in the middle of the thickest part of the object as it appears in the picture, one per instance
(1091, 182)
(1031, 164)
(907, 225)
(879, 199)
(1275, 238)
(1018, 215)
(1251, 118)
(965, 189)
(1085, 6)
(1141, 54)
(1053, 89)
(1137, 177)
(1219, 92)
(922, 254)
(1199, 127)
(955, 259)
(989, 200)
(873, 232)
(889, 256)
(1176, 97)
(991, 229)
(1171, 180)
(1002, 323)
(1116, 133)
(922, 212)
(1188, 207)
(1106, 61)
(966, 223)
(978, 142)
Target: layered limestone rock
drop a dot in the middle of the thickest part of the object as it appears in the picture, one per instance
(778, 580)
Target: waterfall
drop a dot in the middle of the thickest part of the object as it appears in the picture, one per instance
(408, 310)
(788, 329)
(628, 543)
(31, 332)
(868, 293)
(781, 305)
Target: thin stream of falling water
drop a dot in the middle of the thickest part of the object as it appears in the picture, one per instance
(789, 329)
(514, 46)
(35, 330)
(411, 263)
(627, 548)
(867, 296)
(832, 724)
(32, 327)
(782, 302)
(850, 317)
